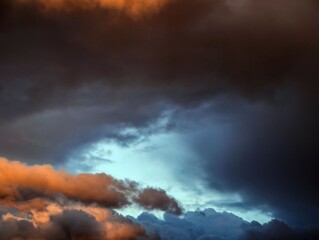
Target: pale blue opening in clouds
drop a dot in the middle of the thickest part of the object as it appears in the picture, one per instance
(161, 160)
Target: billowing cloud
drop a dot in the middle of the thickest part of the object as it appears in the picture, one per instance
(193, 225)
(74, 222)
(23, 187)
(212, 225)
(38, 202)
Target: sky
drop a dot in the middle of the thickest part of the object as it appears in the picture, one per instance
(159, 119)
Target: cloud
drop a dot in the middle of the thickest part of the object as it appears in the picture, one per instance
(152, 198)
(96, 69)
(69, 224)
(261, 151)
(72, 224)
(132, 7)
(192, 225)
(70, 78)
(276, 230)
(78, 221)
(38, 202)
(212, 225)
(24, 187)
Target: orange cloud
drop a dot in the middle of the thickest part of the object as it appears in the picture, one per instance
(42, 203)
(19, 182)
(134, 7)
(23, 187)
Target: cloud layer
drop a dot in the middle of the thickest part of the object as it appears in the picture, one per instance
(212, 225)
(21, 184)
(96, 70)
(76, 221)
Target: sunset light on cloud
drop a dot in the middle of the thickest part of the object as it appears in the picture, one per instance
(159, 119)
(133, 7)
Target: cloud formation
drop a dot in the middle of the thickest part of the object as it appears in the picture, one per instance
(73, 222)
(212, 225)
(23, 185)
(38, 202)
(96, 70)
(76, 221)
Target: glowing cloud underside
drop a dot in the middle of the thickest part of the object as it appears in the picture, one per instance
(21, 184)
(134, 7)
(38, 202)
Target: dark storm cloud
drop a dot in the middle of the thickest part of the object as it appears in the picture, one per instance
(99, 68)
(265, 151)
(72, 77)
(276, 230)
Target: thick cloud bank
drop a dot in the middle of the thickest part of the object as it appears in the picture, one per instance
(38, 202)
(21, 185)
(212, 225)
(96, 69)
(76, 221)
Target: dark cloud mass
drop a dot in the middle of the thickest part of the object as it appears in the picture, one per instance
(243, 76)
(70, 224)
(95, 69)
(265, 151)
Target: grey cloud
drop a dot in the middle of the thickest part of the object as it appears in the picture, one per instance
(212, 225)
(265, 151)
(184, 54)
(196, 225)
(152, 198)
(193, 225)
(73, 224)
(12, 229)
